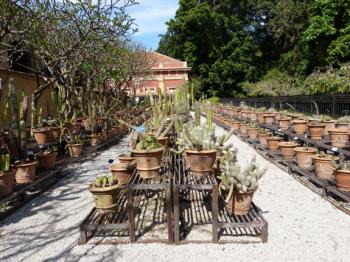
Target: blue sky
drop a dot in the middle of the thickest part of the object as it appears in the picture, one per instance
(150, 16)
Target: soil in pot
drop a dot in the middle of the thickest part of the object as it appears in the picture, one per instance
(323, 166)
(304, 156)
(47, 161)
(339, 137)
(240, 203)
(252, 132)
(148, 161)
(284, 123)
(75, 150)
(43, 136)
(342, 179)
(25, 172)
(287, 149)
(272, 142)
(316, 131)
(299, 126)
(200, 162)
(105, 197)
(7, 182)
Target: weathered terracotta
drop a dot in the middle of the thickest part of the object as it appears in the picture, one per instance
(252, 132)
(339, 137)
(101, 120)
(329, 125)
(25, 172)
(342, 179)
(121, 171)
(148, 161)
(94, 139)
(269, 119)
(343, 125)
(56, 132)
(7, 182)
(164, 141)
(260, 117)
(200, 162)
(125, 159)
(316, 130)
(262, 138)
(235, 125)
(43, 136)
(240, 203)
(75, 150)
(323, 167)
(253, 116)
(304, 157)
(272, 142)
(243, 128)
(105, 197)
(299, 126)
(284, 123)
(287, 149)
(47, 161)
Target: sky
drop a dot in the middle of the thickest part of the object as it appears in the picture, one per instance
(150, 17)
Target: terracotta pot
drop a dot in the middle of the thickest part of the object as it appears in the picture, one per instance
(262, 137)
(94, 139)
(235, 125)
(329, 125)
(323, 167)
(316, 131)
(343, 125)
(287, 149)
(252, 132)
(47, 161)
(43, 136)
(125, 159)
(200, 162)
(342, 179)
(272, 142)
(244, 114)
(240, 203)
(148, 161)
(55, 132)
(75, 150)
(25, 173)
(164, 141)
(269, 119)
(243, 128)
(105, 197)
(253, 116)
(339, 137)
(7, 182)
(69, 126)
(76, 127)
(299, 126)
(260, 117)
(304, 157)
(284, 123)
(101, 120)
(121, 172)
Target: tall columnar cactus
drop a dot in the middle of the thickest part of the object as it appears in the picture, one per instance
(209, 114)
(3, 112)
(5, 162)
(197, 114)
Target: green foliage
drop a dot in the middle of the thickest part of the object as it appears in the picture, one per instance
(147, 142)
(105, 181)
(4, 162)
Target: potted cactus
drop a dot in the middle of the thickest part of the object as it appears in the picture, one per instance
(75, 143)
(239, 186)
(42, 133)
(299, 126)
(252, 130)
(328, 122)
(122, 171)
(243, 128)
(284, 122)
(47, 158)
(304, 156)
(342, 175)
(287, 149)
(104, 191)
(339, 137)
(7, 175)
(272, 142)
(316, 130)
(263, 134)
(324, 165)
(343, 122)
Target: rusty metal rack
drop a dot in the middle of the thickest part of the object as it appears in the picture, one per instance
(125, 221)
(46, 179)
(326, 188)
(205, 206)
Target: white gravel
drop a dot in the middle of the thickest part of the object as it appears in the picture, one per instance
(302, 226)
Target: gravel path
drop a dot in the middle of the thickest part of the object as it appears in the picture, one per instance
(302, 226)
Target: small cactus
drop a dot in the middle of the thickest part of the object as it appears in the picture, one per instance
(105, 181)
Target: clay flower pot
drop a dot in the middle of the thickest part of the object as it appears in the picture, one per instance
(299, 126)
(121, 172)
(42, 136)
(105, 197)
(342, 179)
(304, 156)
(272, 142)
(252, 132)
(345, 126)
(240, 203)
(323, 166)
(148, 161)
(284, 123)
(125, 159)
(329, 125)
(94, 139)
(269, 119)
(25, 172)
(164, 141)
(101, 120)
(262, 137)
(287, 149)
(7, 182)
(339, 137)
(75, 150)
(243, 128)
(55, 132)
(316, 130)
(253, 116)
(235, 125)
(244, 114)
(260, 117)
(47, 161)
(200, 162)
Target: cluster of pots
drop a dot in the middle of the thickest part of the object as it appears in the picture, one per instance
(306, 157)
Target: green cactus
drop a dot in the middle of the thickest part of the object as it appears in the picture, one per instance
(5, 162)
(105, 181)
(197, 114)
